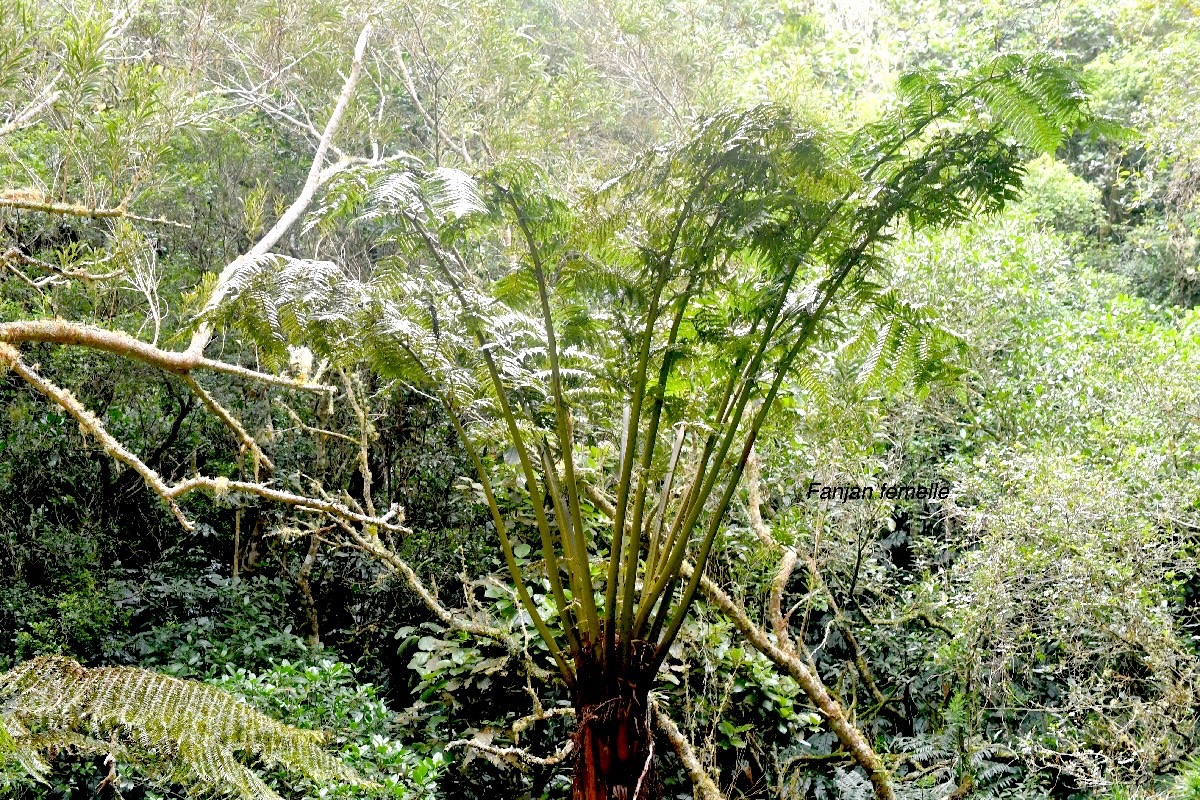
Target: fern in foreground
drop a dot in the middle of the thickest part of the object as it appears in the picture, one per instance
(175, 732)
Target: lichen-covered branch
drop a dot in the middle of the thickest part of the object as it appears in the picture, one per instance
(30, 201)
(703, 783)
(371, 545)
(170, 494)
(11, 257)
(785, 657)
(515, 755)
(11, 358)
(230, 421)
(65, 332)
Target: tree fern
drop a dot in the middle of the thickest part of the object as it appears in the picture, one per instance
(682, 295)
(174, 732)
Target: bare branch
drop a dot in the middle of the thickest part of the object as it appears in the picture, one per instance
(754, 500)
(64, 332)
(429, 120)
(525, 723)
(337, 511)
(88, 422)
(302, 580)
(365, 431)
(293, 213)
(219, 411)
(515, 753)
(787, 565)
(92, 426)
(860, 659)
(775, 600)
(13, 256)
(315, 431)
(374, 547)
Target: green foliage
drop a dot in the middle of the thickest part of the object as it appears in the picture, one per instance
(1035, 635)
(1055, 194)
(201, 628)
(1187, 782)
(325, 695)
(174, 732)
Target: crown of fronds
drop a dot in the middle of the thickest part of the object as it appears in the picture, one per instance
(175, 732)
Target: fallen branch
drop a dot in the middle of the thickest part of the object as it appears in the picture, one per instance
(705, 788)
(515, 754)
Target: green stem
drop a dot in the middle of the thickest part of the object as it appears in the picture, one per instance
(579, 564)
(506, 547)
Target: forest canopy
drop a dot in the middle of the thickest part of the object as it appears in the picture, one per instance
(709, 399)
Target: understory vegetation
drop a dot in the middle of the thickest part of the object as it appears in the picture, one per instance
(431, 400)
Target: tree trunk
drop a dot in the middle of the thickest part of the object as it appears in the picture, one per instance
(614, 737)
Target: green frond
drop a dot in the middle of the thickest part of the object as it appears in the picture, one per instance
(1039, 99)
(452, 193)
(175, 732)
(900, 344)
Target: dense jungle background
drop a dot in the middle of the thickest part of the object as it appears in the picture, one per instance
(1032, 636)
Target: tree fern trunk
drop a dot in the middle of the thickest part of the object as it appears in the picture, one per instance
(614, 737)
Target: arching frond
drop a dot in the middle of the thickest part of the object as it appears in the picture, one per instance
(175, 732)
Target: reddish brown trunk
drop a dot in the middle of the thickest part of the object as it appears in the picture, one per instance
(614, 739)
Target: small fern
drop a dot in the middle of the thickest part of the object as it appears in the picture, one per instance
(174, 732)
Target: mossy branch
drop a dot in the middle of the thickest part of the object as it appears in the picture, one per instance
(170, 493)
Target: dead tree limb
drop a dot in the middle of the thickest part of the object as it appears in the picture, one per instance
(303, 200)
(705, 787)
(785, 657)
